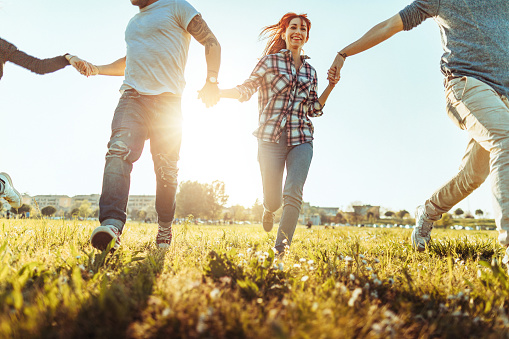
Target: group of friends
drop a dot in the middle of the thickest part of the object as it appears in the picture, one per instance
(475, 65)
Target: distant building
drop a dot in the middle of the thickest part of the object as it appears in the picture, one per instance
(60, 202)
(93, 199)
(141, 202)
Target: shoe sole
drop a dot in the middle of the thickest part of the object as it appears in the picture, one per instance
(101, 238)
(268, 227)
(12, 186)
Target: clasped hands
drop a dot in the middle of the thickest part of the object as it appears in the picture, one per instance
(84, 67)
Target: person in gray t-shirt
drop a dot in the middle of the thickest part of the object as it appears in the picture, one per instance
(475, 64)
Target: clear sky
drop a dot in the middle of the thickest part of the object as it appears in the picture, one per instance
(385, 138)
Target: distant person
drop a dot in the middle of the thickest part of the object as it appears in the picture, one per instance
(157, 39)
(287, 98)
(9, 52)
(8, 192)
(475, 39)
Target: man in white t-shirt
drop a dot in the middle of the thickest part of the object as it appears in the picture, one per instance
(157, 41)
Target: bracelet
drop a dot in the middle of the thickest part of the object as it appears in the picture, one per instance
(71, 56)
(343, 55)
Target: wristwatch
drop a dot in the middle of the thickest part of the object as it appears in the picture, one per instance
(212, 80)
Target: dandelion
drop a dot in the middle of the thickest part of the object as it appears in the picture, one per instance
(354, 297)
(296, 265)
(304, 278)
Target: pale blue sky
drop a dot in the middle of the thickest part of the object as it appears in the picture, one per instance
(384, 139)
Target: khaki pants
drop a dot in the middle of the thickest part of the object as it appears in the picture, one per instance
(475, 107)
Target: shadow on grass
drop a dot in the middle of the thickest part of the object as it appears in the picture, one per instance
(120, 300)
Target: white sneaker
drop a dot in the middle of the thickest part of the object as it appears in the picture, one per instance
(505, 260)
(10, 194)
(103, 235)
(421, 233)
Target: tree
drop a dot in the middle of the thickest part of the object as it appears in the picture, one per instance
(23, 209)
(238, 212)
(48, 211)
(401, 214)
(85, 209)
(458, 212)
(389, 214)
(201, 200)
(479, 213)
(257, 211)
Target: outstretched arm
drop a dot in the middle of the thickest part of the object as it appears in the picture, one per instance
(116, 68)
(373, 37)
(201, 32)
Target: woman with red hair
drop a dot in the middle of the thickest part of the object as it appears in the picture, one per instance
(287, 98)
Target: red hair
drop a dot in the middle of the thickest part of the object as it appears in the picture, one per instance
(273, 32)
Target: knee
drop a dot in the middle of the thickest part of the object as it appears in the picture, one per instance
(272, 205)
(118, 149)
(166, 169)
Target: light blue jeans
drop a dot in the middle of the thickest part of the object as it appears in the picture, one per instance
(273, 157)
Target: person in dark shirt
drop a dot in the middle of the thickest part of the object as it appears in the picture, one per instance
(9, 52)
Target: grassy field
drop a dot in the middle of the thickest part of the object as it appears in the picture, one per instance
(223, 282)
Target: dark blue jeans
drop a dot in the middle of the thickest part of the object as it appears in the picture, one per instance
(138, 118)
(273, 157)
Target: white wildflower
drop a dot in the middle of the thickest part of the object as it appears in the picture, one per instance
(304, 278)
(425, 297)
(281, 267)
(368, 269)
(364, 262)
(215, 293)
(355, 295)
(352, 277)
(296, 265)
(376, 261)
(361, 256)
(302, 259)
(311, 262)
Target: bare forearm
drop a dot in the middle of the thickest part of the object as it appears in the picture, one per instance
(116, 68)
(323, 98)
(213, 58)
(375, 35)
(231, 93)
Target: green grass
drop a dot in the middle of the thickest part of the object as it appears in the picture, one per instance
(223, 282)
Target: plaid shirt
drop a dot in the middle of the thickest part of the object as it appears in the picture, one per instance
(286, 98)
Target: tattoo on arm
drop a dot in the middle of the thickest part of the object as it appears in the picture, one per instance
(201, 32)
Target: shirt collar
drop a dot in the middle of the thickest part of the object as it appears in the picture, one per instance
(287, 51)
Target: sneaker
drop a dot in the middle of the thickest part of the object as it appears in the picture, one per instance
(268, 220)
(103, 235)
(10, 194)
(421, 233)
(164, 236)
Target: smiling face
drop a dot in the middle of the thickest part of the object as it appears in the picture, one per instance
(296, 34)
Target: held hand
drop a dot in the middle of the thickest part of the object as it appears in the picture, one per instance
(209, 94)
(331, 76)
(336, 66)
(85, 68)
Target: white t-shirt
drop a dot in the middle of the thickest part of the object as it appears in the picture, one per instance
(157, 47)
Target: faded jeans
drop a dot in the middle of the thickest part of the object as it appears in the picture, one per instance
(272, 158)
(138, 118)
(474, 106)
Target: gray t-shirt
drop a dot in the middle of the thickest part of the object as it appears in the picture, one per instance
(475, 37)
(157, 47)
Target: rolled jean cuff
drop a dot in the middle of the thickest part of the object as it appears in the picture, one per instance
(165, 223)
(113, 222)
